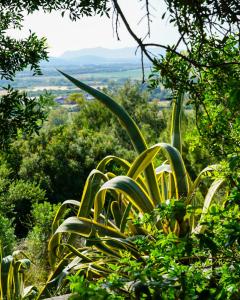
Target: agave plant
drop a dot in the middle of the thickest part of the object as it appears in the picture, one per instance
(12, 276)
(103, 225)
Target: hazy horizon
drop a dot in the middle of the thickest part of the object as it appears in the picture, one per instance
(92, 32)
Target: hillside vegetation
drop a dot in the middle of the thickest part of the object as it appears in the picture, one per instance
(115, 197)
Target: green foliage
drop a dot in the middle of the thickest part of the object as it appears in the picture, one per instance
(7, 236)
(146, 114)
(70, 144)
(18, 201)
(61, 158)
(76, 98)
(199, 265)
(35, 244)
(22, 194)
(5, 180)
(109, 216)
(19, 114)
(82, 289)
(42, 218)
(214, 94)
(56, 117)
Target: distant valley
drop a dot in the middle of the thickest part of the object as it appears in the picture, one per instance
(98, 67)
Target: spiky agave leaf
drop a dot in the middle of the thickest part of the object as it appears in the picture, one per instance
(91, 187)
(82, 227)
(129, 188)
(215, 186)
(112, 158)
(56, 278)
(61, 211)
(7, 276)
(197, 181)
(176, 139)
(179, 172)
(131, 127)
(12, 275)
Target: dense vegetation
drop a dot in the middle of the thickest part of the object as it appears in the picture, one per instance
(40, 172)
(131, 218)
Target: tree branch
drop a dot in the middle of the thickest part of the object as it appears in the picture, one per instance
(143, 46)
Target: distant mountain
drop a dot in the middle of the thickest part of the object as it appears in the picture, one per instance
(121, 53)
(97, 56)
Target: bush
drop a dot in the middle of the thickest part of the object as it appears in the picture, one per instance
(7, 236)
(21, 196)
(35, 245)
(83, 289)
(43, 215)
(198, 266)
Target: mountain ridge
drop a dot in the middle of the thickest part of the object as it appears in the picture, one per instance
(98, 56)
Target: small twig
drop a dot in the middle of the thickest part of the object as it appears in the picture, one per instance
(143, 46)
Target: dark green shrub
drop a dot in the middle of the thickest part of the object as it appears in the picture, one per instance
(83, 289)
(35, 244)
(196, 266)
(7, 236)
(21, 196)
(43, 215)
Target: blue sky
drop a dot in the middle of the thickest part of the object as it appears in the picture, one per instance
(63, 34)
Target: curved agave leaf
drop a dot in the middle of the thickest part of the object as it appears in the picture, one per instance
(102, 219)
(30, 292)
(78, 253)
(120, 215)
(122, 244)
(179, 171)
(125, 119)
(176, 123)
(106, 160)
(95, 270)
(87, 257)
(142, 161)
(12, 271)
(99, 204)
(215, 186)
(123, 163)
(163, 173)
(131, 127)
(130, 188)
(198, 180)
(163, 168)
(116, 212)
(102, 246)
(164, 186)
(7, 276)
(89, 192)
(82, 227)
(125, 217)
(211, 193)
(62, 209)
(20, 266)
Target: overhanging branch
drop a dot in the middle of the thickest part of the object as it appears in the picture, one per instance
(143, 46)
